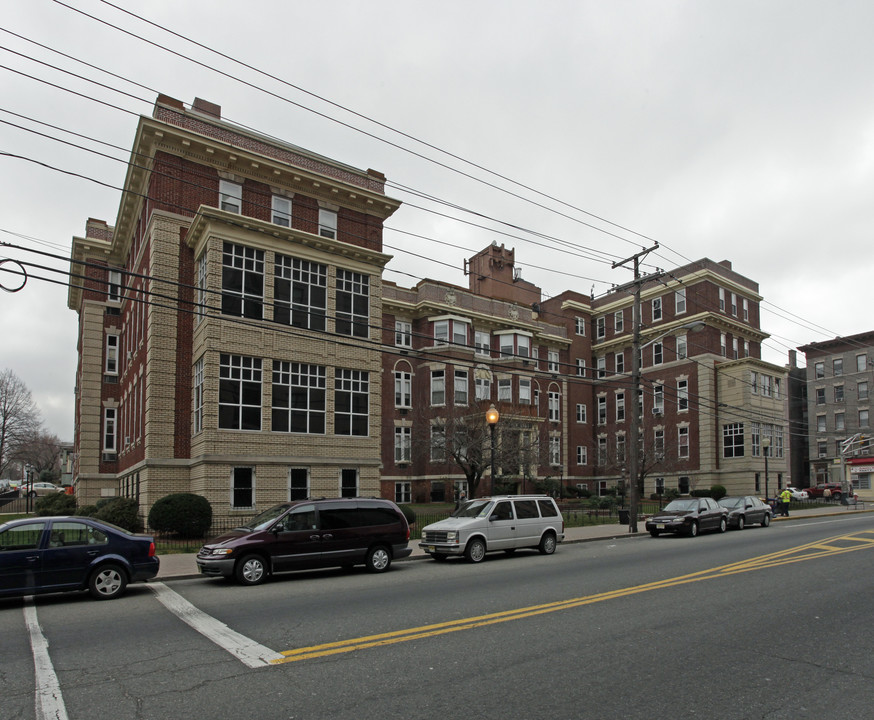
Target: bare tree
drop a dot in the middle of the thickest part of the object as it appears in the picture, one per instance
(43, 453)
(20, 420)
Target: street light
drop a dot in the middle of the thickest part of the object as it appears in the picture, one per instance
(634, 427)
(766, 451)
(492, 417)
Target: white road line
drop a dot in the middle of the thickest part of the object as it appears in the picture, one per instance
(49, 701)
(246, 650)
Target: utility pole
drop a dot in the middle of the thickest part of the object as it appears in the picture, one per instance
(635, 424)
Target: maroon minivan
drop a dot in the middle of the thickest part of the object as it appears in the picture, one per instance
(305, 534)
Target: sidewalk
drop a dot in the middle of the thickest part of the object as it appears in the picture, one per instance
(182, 565)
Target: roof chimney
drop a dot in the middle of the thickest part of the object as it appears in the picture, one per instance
(207, 108)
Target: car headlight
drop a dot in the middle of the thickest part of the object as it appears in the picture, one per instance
(222, 551)
(452, 536)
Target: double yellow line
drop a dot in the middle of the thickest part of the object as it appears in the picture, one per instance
(836, 545)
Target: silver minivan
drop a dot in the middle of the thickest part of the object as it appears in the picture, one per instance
(488, 524)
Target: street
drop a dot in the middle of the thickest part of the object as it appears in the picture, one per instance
(768, 622)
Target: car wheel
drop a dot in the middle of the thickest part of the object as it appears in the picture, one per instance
(547, 544)
(31, 494)
(475, 550)
(693, 529)
(654, 533)
(766, 520)
(741, 522)
(378, 559)
(251, 570)
(722, 525)
(107, 582)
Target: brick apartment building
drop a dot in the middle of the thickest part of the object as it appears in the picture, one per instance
(237, 340)
(840, 376)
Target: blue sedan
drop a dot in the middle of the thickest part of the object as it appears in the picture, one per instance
(57, 554)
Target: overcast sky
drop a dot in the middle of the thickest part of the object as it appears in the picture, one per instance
(739, 130)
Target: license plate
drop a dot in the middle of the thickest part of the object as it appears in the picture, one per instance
(660, 526)
(430, 548)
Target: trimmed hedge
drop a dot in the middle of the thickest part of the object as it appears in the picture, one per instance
(120, 511)
(55, 504)
(185, 514)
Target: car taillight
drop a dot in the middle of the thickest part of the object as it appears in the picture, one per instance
(152, 549)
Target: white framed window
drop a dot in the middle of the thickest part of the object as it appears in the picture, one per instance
(113, 289)
(403, 492)
(230, 196)
(552, 361)
(300, 292)
(201, 289)
(403, 444)
(352, 316)
(450, 330)
(620, 362)
(733, 440)
(722, 299)
(460, 386)
(581, 367)
(197, 399)
(438, 387)
(602, 459)
(111, 366)
(746, 308)
(723, 349)
(524, 391)
(656, 309)
(657, 353)
(505, 390)
(239, 392)
(482, 343)
(682, 347)
(299, 397)
(734, 349)
(862, 390)
(328, 223)
(734, 304)
(838, 366)
(839, 421)
(351, 402)
(242, 281)
(620, 407)
(767, 385)
(863, 418)
(820, 423)
(349, 482)
(819, 370)
(403, 389)
(602, 366)
(242, 487)
(618, 321)
(683, 441)
(861, 362)
(403, 334)
(554, 404)
(682, 395)
(110, 430)
(582, 455)
(483, 387)
(555, 450)
(298, 483)
(746, 348)
(438, 443)
(601, 327)
(680, 301)
(280, 211)
(581, 413)
(602, 410)
(658, 399)
(580, 326)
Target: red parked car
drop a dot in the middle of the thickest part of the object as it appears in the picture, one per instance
(818, 491)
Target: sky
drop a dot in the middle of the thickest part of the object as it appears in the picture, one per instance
(577, 132)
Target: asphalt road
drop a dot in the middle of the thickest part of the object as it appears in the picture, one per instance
(764, 623)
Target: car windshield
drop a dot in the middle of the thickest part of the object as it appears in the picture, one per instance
(473, 508)
(265, 519)
(732, 502)
(682, 505)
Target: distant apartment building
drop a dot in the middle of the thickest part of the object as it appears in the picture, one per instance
(237, 340)
(839, 380)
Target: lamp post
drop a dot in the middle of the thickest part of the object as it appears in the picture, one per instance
(492, 417)
(766, 451)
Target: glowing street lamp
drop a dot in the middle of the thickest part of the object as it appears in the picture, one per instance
(492, 417)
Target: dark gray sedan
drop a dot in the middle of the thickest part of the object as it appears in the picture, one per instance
(746, 510)
(688, 516)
